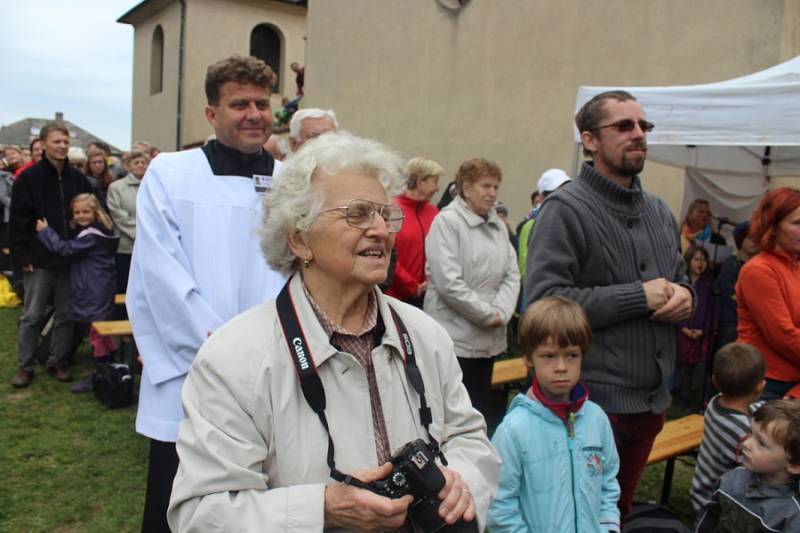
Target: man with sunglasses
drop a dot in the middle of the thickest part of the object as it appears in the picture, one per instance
(605, 243)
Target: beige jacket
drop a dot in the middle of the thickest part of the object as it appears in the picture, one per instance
(253, 453)
(121, 200)
(473, 272)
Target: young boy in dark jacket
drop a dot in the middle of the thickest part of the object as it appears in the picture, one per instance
(763, 494)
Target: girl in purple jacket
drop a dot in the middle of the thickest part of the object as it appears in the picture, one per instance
(92, 272)
(696, 333)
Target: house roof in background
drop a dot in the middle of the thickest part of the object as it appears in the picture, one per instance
(22, 132)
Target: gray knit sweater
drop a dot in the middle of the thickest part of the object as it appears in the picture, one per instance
(596, 243)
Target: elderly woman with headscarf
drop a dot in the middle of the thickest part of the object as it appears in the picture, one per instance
(473, 274)
(288, 400)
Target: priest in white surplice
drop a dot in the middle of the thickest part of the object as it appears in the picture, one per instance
(197, 260)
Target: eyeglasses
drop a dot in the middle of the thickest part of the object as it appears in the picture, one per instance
(361, 213)
(628, 124)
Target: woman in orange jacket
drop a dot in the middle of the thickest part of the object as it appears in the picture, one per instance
(768, 291)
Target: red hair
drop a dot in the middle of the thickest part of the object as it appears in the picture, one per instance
(774, 207)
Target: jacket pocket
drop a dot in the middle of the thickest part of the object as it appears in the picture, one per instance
(591, 468)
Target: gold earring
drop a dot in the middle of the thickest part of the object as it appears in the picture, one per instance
(306, 263)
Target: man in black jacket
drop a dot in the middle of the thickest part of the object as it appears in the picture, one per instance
(45, 190)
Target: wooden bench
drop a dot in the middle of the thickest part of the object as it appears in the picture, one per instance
(678, 437)
(119, 299)
(509, 371)
(118, 328)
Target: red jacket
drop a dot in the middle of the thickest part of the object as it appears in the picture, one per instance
(410, 245)
(768, 304)
(23, 167)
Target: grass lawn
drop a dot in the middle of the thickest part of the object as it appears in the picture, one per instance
(68, 464)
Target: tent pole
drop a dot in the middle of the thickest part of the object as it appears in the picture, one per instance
(765, 162)
(576, 154)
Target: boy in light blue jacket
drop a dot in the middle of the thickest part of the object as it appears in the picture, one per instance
(559, 459)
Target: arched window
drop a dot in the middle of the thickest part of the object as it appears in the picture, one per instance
(157, 61)
(265, 44)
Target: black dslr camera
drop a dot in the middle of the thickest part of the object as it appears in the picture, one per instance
(414, 472)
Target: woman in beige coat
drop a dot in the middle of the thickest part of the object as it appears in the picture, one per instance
(474, 277)
(122, 208)
(253, 453)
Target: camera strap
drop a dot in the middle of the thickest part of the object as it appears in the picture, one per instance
(414, 377)
(311, 383)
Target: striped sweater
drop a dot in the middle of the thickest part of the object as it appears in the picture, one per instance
(596, 242)
(724, 428)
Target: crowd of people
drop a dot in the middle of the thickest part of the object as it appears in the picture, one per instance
(318, 338)
(69, 225)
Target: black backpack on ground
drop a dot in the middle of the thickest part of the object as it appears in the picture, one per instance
(652, 518)
(113, 384)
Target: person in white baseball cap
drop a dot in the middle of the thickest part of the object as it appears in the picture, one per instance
(549, 181)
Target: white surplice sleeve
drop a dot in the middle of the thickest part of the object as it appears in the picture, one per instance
(170, 317)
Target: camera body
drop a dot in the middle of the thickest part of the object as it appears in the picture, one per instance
(415, 472)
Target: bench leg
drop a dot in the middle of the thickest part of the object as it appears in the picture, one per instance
(666, 488)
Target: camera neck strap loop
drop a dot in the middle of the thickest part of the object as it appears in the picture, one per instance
(311, 383)
(414, 377)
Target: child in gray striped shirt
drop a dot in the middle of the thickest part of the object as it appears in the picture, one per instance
(739, 376)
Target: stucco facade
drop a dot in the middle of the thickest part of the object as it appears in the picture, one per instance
(212, 30)
(154, 115)
(496, 78)
(233, 20)
(499, 79)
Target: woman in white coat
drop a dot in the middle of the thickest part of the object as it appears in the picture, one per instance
(474, 277)
(255, 454)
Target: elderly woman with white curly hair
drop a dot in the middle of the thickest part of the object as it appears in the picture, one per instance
(294, 408)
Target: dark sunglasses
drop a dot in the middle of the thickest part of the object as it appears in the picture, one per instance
(628, 124)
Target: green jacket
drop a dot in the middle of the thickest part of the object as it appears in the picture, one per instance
(524, 238)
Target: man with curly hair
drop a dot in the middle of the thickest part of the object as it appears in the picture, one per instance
(196, 259)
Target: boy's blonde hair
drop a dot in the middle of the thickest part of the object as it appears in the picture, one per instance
(556, 318)
(781, 419)
(99, 213)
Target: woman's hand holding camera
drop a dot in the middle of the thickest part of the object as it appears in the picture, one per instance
(353, 508)
(456, 498)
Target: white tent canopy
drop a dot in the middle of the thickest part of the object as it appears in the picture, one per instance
(748, 125)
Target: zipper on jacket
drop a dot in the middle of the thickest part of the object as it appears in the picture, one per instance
(63, 211)
(422, 232)
(570, 441)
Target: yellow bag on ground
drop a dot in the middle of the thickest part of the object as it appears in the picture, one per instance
(8, 298)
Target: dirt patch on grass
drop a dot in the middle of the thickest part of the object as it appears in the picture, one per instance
(69, 528)
(17, 395)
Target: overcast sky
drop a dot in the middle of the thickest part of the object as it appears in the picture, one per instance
(71, 57)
